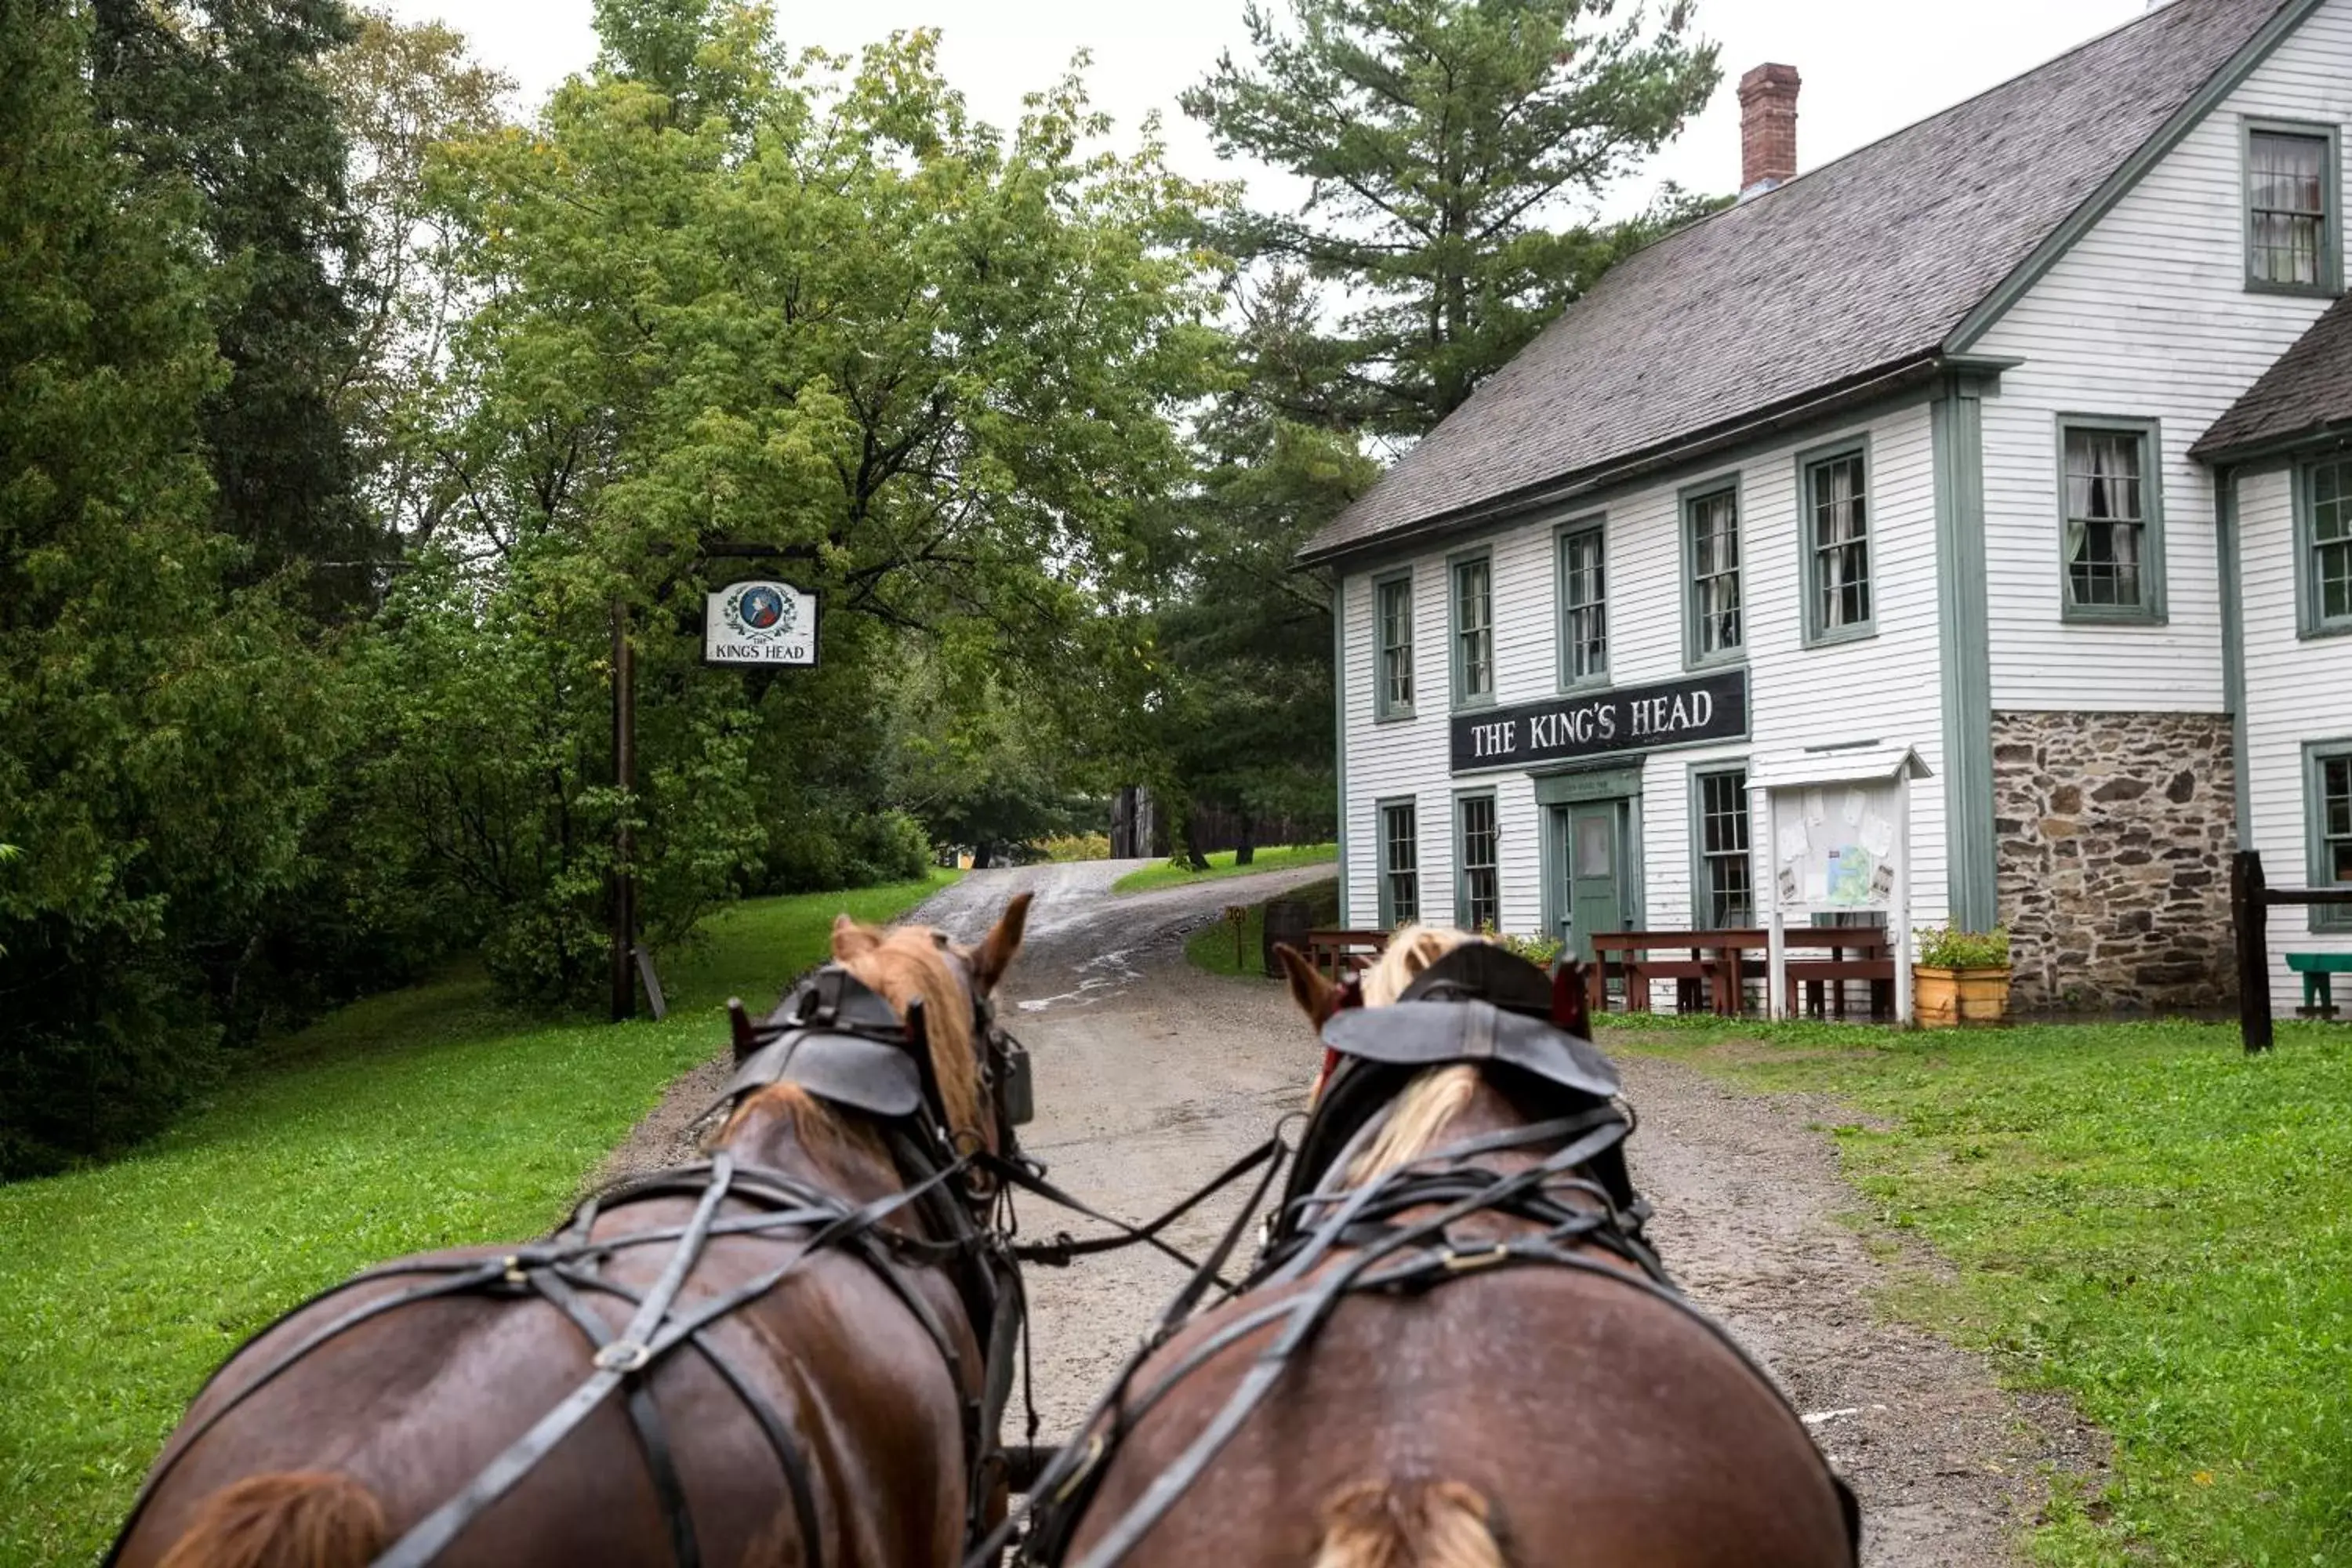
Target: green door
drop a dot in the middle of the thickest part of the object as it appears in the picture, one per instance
(1590, 848)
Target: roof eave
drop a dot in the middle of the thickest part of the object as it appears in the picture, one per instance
(2116, 185)
(1873, 386)
(2254, 449)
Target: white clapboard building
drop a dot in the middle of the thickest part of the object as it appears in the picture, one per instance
(2016, 441)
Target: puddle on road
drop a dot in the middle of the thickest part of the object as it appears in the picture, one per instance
(1098, 977)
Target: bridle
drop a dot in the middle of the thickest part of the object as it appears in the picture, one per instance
(843, 1043)
(1393, 1234)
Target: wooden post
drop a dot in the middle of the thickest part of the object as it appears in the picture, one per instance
(625, 781)
(2249, 914)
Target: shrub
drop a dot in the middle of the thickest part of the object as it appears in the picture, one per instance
(1543, 951)
(1065, 846)
(1948, 947)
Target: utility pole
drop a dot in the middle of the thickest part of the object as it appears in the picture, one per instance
(624, 783)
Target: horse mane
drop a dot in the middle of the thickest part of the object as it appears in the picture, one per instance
(903, 966)
(1437, 1095)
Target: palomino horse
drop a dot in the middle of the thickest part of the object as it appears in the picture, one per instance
(838, 1311)
(1456, 1351)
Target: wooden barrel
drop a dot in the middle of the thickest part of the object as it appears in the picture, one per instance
(1287, 919)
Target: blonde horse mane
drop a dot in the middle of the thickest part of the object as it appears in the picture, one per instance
(1437, 1095)
(903, 964)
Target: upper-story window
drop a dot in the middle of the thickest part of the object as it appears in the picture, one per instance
(1583, 605)
(1711, 554)
(1393, 672)
(2112, 537)
(1474, 631)
(2324, 549)
(2292, 233)
(1837, 546)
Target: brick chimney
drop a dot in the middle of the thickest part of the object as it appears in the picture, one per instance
(1768, 129)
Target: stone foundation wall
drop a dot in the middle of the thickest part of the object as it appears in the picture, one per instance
(2115, 834)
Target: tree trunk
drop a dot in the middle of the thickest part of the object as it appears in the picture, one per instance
(1192, 856)
(979, 856)
(1245, 853)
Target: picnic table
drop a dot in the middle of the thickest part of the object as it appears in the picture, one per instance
(1713, 967)
(1342, 953)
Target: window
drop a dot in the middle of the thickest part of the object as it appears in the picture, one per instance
(1723, 881)
(1837, 547)
(2328, 805)
(1473, 631)
(2292, 235)
(2112, 537)
(1584, 606)
(1477, 898)
(1393, 693)
(1399, 865)
(1711, 555)
(2324, 547)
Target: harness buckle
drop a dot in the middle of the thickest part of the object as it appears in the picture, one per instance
(1486, 1257)
(515, 1275)
(623, 1355)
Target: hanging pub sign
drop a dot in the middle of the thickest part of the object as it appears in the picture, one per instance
(1691, 712)
(758, 623)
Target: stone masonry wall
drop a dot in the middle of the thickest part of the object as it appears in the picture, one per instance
(2115, 834)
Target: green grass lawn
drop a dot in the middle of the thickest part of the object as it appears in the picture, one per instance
(1211, 947)
(2140, 1215)
(426, 1118)
(1170, 874)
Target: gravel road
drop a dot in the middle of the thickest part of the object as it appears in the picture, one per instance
(1152, 1076)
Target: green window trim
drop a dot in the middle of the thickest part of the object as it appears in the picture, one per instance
(1478, 861)
(1470, 626)
(2106, 540)
(1731, 904)
(2327, 823)
(1726, 582)
(1846, 611)
(2265, 225)
(1580, 554)
(2323, 547)
(1396, 848)
(1392, 590)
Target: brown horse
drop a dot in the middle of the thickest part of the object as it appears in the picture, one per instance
(1517, 1386)
(829, 1415)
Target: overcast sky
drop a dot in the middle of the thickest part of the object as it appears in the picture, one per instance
(1870, 66)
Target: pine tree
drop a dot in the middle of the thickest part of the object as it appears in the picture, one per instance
(1439, 139)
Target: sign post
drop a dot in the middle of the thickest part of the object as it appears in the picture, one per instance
(624, 783)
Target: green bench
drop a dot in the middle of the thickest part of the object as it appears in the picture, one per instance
(2317, 970)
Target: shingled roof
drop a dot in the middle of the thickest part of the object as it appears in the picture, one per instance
(2308, 391)
(1855, 268)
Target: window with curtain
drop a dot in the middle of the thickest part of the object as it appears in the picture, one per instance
(1395, 674)
(2287, 207)
(1713, 521)
(1480, 899)
(2329, 805)
(1584, 601)
(1400, 866)
(2107, 520)
(1838, 552)
(2327, 547)
(1473, 631)
(1726, 892)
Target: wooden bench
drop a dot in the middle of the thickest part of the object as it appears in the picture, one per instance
(1721, 963)
(2318, 970)
(1342, 953)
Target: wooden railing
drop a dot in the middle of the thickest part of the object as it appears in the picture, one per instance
(2252, 898)
(1721, 963)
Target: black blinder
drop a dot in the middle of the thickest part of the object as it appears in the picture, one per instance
(1015, 1090)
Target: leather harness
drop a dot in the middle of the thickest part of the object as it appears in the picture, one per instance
(1478, 1004)
(841, 1042)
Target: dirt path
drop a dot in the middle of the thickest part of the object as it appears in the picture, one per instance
(1151, 1075)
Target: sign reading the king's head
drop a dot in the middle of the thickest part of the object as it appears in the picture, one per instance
(752, 624)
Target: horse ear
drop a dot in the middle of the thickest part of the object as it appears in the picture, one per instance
(1000, 946)
(1316, 995)
(850, 939)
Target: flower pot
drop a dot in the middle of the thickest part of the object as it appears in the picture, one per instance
(1945, 997)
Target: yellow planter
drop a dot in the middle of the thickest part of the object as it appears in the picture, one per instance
(1945, 997)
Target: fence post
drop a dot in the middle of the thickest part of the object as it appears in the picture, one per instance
(2249, 914)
